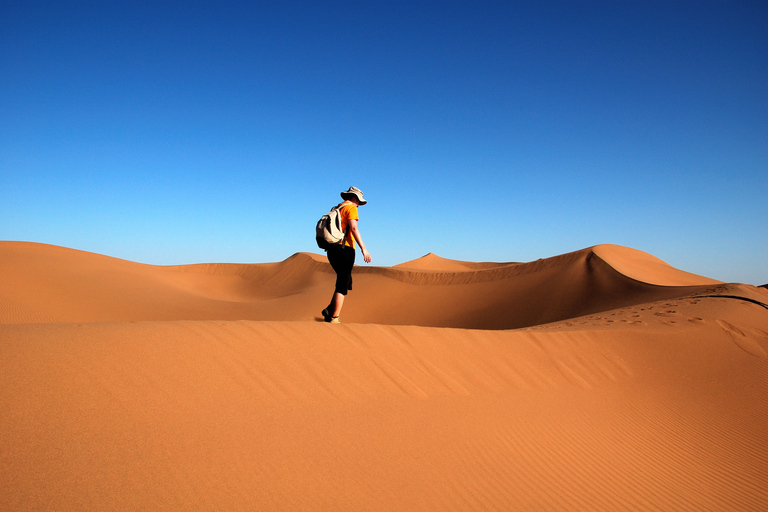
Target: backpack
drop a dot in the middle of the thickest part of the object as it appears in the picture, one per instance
(328, 231)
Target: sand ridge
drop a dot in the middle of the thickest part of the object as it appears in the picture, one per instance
(213, 387)
(52, 284)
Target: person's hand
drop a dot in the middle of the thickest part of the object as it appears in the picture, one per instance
(366, 256)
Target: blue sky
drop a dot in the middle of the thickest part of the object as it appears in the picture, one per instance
(184, 132)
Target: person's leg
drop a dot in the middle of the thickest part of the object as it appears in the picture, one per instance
(328, 311)
(339, 258)
(336, 304)
(334, 307)
(335, 259)
(342, 261)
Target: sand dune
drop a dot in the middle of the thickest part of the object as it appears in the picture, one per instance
(602, 379)
(433, 262)
(52, 284)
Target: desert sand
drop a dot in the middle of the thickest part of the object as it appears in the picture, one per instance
(602, 379)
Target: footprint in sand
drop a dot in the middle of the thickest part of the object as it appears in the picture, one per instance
(744, 342)
(669, 312)
(696, 320)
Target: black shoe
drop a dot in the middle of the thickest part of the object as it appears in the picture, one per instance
(326, 315)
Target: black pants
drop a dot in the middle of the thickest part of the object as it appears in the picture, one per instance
(342, 259)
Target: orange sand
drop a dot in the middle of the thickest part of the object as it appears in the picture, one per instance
(602, 379)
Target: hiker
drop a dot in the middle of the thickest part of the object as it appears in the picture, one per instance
(342, 256)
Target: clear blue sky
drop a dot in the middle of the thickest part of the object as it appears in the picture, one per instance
(218, 131)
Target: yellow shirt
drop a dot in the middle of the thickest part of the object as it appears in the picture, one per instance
(348, 211)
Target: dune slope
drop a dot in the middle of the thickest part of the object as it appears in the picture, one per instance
(630, 386)
(212, 415)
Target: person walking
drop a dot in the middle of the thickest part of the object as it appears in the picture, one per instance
(342, 256)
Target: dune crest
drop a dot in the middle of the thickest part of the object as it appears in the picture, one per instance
(646, 268)
(436, 263)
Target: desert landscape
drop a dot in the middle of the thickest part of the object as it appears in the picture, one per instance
(601, 379)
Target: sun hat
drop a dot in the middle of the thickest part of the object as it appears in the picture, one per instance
(354, 191)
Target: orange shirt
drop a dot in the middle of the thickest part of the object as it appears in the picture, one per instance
(348, 211)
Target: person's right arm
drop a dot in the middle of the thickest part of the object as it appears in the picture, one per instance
(356, 233)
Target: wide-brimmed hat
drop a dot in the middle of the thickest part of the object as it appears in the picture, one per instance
(354, 191)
